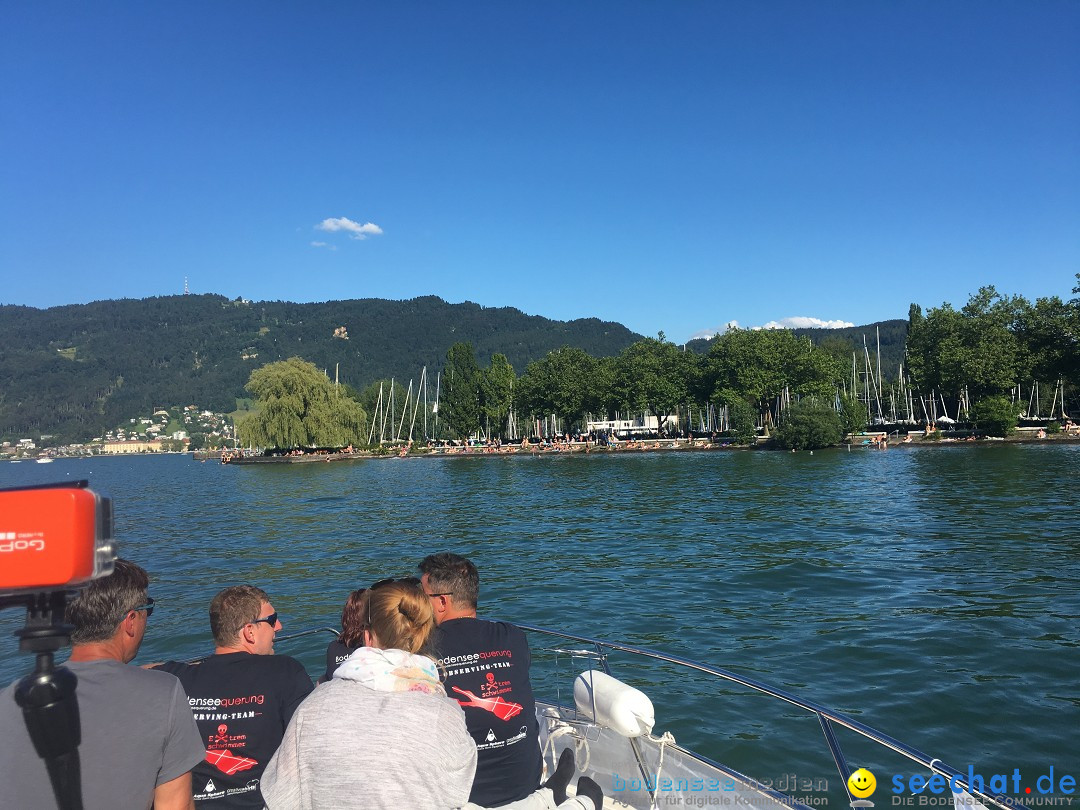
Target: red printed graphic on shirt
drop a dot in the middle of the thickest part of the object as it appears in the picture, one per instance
(224, 740)
(497, 706)
(228, 763)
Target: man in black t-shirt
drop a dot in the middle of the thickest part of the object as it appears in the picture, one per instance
(485, 667)
(242, 697)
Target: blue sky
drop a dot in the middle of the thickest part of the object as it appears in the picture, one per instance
(669, 165)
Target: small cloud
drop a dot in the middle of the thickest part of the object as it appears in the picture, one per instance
(709, 334)
(324, 245)
(354, 229)
(799, 322)
(804, 322)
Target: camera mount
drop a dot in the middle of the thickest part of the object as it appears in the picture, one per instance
(47, 695)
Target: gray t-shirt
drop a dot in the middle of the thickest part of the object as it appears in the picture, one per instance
(137, 733)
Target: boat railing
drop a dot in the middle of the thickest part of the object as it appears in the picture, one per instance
(827, 718)
(281, 637)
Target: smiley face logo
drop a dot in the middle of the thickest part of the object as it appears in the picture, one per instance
(862, 783)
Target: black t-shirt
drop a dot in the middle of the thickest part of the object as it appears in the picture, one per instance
(242, 704)
(336, 652)
(485, 667)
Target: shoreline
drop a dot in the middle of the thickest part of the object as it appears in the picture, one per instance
(652, 445)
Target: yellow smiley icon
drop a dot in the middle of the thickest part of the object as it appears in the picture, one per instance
(862, 783)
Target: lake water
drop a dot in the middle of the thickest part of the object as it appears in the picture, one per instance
(931, 593)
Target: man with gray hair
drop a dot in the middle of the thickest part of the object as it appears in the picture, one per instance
(485, 667)
(139, 742)
(242, 697)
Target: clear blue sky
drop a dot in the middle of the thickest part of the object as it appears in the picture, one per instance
(670, 165)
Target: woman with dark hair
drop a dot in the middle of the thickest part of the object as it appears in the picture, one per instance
(382, 733)
(351, 637)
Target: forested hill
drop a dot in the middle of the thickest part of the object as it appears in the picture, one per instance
(844, 342)
(74, 371)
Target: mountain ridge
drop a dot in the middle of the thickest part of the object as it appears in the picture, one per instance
(77, 369)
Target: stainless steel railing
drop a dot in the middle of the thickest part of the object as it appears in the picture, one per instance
(826, 717)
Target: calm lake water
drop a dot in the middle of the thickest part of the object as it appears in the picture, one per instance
(931, 593)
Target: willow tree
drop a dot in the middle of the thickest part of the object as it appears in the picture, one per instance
(298, 406)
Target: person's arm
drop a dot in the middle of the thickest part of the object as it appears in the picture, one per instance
(457, 764)
(280, 784)
(300, 689)
(174, 795)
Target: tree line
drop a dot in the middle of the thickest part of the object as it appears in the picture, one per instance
(973, 357)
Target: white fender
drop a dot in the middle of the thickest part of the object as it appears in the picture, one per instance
(619, 707)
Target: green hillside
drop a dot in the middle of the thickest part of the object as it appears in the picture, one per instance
(73, 371)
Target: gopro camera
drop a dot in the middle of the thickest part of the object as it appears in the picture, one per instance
(56, 537)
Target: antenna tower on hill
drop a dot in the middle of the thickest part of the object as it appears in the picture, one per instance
(185, 286)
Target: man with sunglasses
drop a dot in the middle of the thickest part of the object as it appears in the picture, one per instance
(242, 697)
(485, 667)
(138, 740)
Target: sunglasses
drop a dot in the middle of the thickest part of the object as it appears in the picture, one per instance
(270, 620)
(148, 607)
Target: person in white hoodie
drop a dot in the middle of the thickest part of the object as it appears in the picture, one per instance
(383, 734)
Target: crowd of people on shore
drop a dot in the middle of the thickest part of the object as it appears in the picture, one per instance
(568, 443)
(423, 705)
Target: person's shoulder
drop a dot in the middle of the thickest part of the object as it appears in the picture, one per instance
(471, 631)
(285, 668)
(284, 663)
(165, 679)
(242, 664)
(126, 676)
(501, 628)
(174, 668)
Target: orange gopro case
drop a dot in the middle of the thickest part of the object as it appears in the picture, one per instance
(52, 538)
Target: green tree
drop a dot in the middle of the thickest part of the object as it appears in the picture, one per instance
(994, 415)
(1048, 335)
(807, 426)
(298, 406)
(461, 384)
(602, 399)
(992, 352)
(976, 347)
(853, 414)
(759, 364)
(560, 383)
(496, 394)
(653, 374)
(741, 416)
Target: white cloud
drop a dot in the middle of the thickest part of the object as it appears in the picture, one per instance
(798, 322)
(354, 229)
(709, 334)
(324, 245)
(804, 322)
